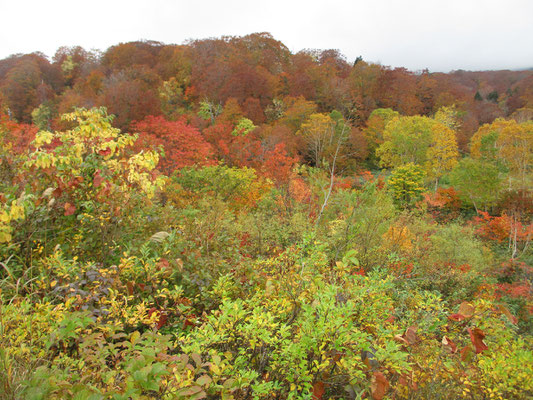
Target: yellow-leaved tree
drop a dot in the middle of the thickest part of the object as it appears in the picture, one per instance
(507, 143)
(422, 141)
(90, 179)
(93, 146)
(405, 140)
(442, 153)
(319, 134)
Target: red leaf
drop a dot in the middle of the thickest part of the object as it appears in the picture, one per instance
(477, 336)
(129, 285)
(456, 317)
(57, 192)
(163, 318)
(189, 321)
(105, 152)
(97, 179)
(379, 385)
(69, 209)
(162, 264)
(74, 182)
(318, 390)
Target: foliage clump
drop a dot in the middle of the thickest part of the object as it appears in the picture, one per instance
(262, 260)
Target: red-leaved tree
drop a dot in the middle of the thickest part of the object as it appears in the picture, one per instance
(182, 144)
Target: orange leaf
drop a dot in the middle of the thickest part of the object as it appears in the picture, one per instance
(379, 385)
(477, 336)
(69, 209)
(466, 309)
(318, 390)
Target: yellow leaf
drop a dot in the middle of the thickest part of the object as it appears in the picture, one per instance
(134, 337)
(16, 212)
(4, 216)
(5, 237)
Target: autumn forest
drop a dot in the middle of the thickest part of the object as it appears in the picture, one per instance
(227, 219)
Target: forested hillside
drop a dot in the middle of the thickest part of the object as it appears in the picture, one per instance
(227, 219)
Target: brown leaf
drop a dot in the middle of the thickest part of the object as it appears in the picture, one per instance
(401, 339)
(410, 335)
(204, 380)
(379, 385)
(192, 391)
(69, 209)
(477, 336)
(449, 345)
(229, 383)
(505, 310)
(407, 380)
(197, 359)
(466, 309)
(159, 236)
(57, 192)
(179, 264)
(466, 354)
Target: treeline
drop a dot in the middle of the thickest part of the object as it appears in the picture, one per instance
(137, 79)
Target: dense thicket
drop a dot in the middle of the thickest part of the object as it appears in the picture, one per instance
(279, 226)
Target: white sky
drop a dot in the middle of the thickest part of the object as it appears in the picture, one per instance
(438, 34)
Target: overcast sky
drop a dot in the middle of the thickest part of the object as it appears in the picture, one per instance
(441, 35)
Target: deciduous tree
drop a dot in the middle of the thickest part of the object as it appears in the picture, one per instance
(183, 145)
